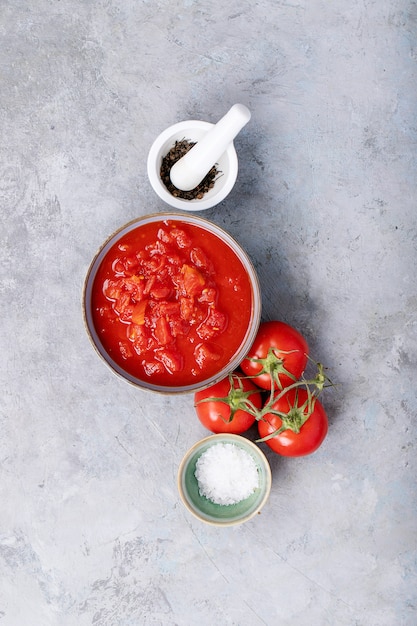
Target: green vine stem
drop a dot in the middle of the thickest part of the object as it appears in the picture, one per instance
(237, 398)
(273, 366)
(295, 418)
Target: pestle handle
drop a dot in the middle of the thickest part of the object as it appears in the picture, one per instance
(190, 170)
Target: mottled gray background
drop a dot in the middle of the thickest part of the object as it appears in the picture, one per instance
(91, 527)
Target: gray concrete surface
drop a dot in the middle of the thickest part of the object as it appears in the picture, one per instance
(91, 527)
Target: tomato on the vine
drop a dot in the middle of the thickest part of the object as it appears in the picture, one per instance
(279, 352)
(302, 424)
(226, 406)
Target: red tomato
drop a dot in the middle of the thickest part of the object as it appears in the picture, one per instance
(308, 434)
(279, 351)
(221, 407)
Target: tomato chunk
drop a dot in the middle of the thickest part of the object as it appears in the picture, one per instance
(125, 350)
(187, 308)
(139, 336)
(123, 307)
(200, 259)
(181, 238)
(138, 313)
(193, 280)
(162, 332)
(153, 367)
(112, 289)
(205, 352)
(214, 324)
(209, 295)
(172, 360)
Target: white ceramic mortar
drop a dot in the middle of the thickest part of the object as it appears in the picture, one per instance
(195, 131)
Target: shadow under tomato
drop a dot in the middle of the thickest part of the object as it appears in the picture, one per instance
(274, 460)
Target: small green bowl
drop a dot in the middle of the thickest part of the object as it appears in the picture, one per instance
(216, 514)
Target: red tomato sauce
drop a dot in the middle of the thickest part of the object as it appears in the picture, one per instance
(171, 303)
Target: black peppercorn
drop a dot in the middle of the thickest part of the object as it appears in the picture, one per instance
(179, 149)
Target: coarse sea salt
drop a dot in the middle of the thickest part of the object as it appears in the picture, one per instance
(226, 474)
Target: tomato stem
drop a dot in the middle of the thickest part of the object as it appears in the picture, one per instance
(273, 365)
(296, 416)
(237, 399)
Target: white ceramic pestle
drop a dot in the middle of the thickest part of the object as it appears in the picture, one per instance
(190, 170)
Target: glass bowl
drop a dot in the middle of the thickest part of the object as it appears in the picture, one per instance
(216, 514)
(240, 330)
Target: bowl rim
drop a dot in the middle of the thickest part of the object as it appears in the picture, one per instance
(210, 199)
(224, 437)
(253, 324)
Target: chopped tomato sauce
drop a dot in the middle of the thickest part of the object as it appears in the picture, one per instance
(171, 303)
